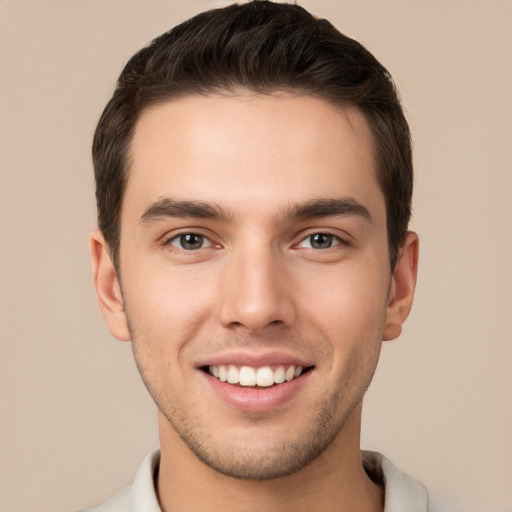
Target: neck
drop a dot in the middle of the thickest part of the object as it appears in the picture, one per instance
(334, 481)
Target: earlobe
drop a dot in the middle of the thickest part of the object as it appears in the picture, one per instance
(107, 287)
(403, 283)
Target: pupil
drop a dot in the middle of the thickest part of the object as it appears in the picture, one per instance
(321, 241)
(191, 241)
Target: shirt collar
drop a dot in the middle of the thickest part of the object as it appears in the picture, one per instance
(402, 493)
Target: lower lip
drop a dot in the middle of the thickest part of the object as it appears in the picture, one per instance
(257, 400)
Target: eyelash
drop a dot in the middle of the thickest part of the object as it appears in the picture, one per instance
(334, 239)
(182, 236)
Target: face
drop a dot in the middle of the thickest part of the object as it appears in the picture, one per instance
(255, 274)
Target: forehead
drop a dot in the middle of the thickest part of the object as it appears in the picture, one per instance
(236, 149)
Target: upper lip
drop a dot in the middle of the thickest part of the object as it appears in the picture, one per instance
(255, 360)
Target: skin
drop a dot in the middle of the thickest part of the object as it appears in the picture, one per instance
(256, 284)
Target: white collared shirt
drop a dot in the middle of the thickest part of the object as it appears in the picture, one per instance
(402, 493)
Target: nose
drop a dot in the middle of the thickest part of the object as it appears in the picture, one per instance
(256, 291)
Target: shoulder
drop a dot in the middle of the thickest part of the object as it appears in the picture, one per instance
(138, 497)
(402, 493)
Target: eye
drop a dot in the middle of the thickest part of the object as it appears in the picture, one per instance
(190, 241)
(320, 241)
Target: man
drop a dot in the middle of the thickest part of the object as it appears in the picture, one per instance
(254, 180)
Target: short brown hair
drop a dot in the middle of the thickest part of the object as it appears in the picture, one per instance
(262, 47)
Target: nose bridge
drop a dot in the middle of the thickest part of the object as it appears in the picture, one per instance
(254, 293)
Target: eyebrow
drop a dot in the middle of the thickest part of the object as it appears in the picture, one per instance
(316, 208)
(313, 209)
(168, 207)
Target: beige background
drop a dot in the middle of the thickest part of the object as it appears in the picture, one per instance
(76, 421)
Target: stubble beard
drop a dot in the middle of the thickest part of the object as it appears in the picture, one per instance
(280, 458)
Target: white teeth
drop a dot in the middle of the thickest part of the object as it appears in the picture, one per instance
(289, 374)
(233, 374)
(279, 375)
(265, 376)
(248, 376)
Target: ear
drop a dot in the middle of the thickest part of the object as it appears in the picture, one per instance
(403, 283)
(107, 287)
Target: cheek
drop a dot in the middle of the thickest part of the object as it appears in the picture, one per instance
(348, 305)
(168, 305)
(163, 316)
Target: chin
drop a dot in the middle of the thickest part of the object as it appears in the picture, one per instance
(261, 452)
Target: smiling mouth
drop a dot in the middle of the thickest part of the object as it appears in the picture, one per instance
(264, 376)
